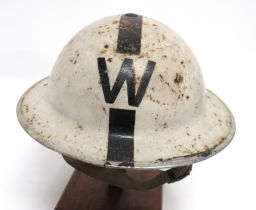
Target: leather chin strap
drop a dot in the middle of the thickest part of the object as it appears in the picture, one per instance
(120, 178)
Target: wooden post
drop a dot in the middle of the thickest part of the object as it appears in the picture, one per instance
(85, 193)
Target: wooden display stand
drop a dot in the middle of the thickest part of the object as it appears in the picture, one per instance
(85, 193)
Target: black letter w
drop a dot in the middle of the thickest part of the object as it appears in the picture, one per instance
(126, 73)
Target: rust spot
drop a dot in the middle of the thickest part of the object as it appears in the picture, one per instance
(73, 61)
(159, 160)
(165, 125)
(79, 126)
(163, 37)
(154, 100)
(178, 79)
(33, 118)
(222, 139)
(104, 109)
(165, 82)
(26, 108)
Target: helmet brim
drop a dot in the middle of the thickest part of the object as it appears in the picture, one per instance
(207, 135)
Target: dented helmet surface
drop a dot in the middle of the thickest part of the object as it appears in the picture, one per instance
(127, 91)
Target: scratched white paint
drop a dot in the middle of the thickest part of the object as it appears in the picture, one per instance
(178, 122)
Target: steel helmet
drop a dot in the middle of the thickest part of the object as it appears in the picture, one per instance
(127, 92)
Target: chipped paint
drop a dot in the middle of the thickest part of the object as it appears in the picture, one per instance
(178, 122)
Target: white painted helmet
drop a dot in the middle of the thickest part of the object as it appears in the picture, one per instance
(127, 92)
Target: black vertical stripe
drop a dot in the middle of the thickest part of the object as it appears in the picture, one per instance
(121, 136)
(129, 35)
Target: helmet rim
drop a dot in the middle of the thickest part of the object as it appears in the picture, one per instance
(35, 114)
